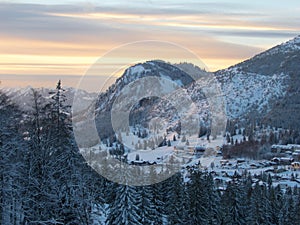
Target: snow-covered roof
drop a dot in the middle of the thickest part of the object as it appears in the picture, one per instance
(288, 147)
(294, 146)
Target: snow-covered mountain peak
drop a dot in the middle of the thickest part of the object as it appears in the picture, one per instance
(154, 68)
(264, 86)
(284, 50)
(293, 43)
(157, 68)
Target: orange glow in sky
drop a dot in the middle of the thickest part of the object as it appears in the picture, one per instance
(66, 38)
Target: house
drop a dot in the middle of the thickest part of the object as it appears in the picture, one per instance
(295, 165)
(179, 147)
(286, 161)
(218, 148)
(199, 149)
(284, 148)
(240, 161)
(219, 153)
(281, 148)
(142, 163)
(296, 154)
(190, 149)
(254, 166)
(223, 162)
(294, 146)
(275, 160)
(282, 160)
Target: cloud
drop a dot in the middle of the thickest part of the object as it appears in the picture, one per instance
(65, 39)
(67, 22)
(53, 26)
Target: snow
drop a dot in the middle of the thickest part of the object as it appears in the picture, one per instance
(137, 69)
(247, 91)
(286, 47)
(156, 155)
(177, 82)
(99, 214)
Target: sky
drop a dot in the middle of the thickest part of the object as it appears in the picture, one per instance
(41, 41)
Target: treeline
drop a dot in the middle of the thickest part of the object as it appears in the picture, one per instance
(257, 139)
(45, 180)
(43, 177)
(197, 201)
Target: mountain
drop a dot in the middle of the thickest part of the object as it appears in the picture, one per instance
(266, 87)
(151, 107)
(23, 97)
(263, 89)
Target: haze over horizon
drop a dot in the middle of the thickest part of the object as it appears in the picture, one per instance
(43, 42)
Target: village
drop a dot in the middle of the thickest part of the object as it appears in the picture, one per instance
(282, 164)
(284, 169)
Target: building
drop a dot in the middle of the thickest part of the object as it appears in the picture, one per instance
(199, 149)
(296, 155)
(281, 148)
(295, 165)
(283, 160)
(294, 146)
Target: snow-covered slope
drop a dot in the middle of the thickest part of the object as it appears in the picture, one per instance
(288, 47)
(265, 87)
(155, 107)
(247, 92)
